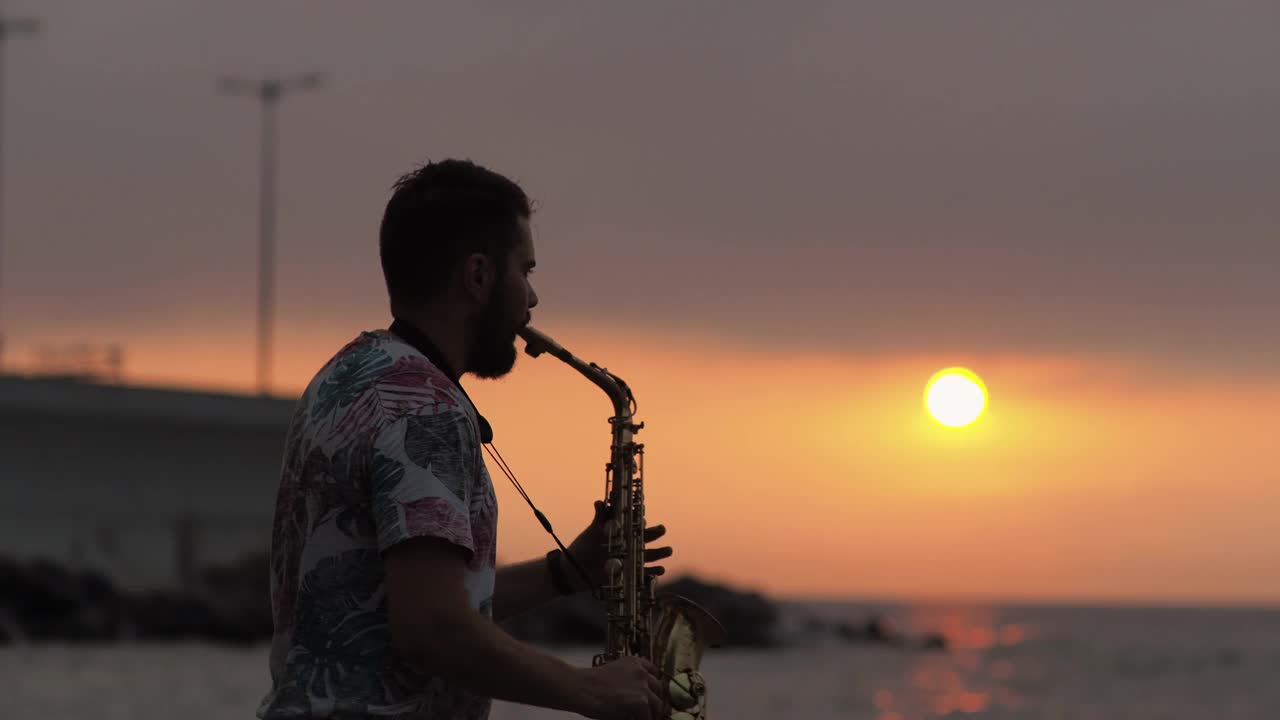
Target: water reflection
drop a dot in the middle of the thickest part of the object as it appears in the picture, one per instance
(974, 677)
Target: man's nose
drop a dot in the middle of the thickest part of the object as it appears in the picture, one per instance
(533, 299)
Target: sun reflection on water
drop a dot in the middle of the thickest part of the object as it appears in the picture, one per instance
(971, 678)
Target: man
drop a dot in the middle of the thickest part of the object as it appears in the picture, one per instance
(384, 586)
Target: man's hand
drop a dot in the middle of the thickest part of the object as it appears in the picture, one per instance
(629, 688)
(588, 549)
(526, 585)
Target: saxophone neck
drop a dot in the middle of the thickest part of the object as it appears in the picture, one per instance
(537, 343)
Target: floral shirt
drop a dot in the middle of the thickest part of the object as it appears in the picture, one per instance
(382, 447)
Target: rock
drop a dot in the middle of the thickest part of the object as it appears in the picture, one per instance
(42, 601)
(878, 631)
(10, 632)
(749, 619)
(239, 595)
(169, 616)
(933, 641)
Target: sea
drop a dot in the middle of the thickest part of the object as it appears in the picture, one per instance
(1025, 662)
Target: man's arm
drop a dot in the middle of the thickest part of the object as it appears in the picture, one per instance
(432, 622)
(523, 586)
(434, 627)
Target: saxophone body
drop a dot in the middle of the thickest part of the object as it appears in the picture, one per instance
(669, 630)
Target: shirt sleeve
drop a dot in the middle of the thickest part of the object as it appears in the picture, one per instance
(423, 473)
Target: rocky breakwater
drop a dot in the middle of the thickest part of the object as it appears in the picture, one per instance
(41, 601)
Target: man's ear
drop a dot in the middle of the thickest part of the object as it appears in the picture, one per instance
(478, 276)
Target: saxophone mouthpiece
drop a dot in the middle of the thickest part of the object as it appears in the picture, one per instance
(537, 343)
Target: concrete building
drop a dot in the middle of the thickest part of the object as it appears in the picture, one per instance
(145, 484)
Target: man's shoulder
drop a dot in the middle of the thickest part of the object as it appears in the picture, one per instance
(379, 369)
(405, 381)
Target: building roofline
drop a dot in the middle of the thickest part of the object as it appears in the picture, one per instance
(81, 397)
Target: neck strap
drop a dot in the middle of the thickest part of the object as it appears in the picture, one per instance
(420, 342)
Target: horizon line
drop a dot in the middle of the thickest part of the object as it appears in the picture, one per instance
(1033, 601)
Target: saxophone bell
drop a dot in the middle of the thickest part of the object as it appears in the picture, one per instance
(683, 630)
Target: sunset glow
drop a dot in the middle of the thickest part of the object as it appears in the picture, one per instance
(1074, 490)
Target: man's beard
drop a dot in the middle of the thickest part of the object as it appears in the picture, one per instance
(494, 352)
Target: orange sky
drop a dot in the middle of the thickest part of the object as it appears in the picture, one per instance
(1090, 478)
(814, 204)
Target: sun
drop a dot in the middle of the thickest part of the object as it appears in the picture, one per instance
(955, 397)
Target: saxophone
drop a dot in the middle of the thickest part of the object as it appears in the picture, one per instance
(669, 630)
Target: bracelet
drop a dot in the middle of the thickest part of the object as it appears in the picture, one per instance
(558, 578)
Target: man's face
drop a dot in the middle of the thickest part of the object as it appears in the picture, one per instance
(493, 352)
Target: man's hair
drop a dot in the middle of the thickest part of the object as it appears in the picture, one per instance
(438, 215)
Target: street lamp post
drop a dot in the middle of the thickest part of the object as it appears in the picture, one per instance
(269, 92)
(8, 27)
